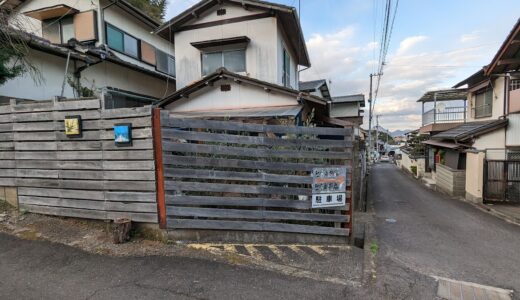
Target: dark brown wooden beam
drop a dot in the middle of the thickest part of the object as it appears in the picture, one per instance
(159, 170)
(226, 21)
(509, 61)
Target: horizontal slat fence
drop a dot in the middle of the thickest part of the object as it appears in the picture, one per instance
(223, 175)
(87, 176)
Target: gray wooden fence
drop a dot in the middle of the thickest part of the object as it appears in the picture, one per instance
(87, 177)
(234, 176)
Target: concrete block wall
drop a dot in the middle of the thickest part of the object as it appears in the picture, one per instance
(451, 181)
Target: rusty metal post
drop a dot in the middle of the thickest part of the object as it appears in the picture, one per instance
(159, 169)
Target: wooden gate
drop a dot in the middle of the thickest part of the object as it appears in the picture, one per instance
(226, 175)
(502, 181)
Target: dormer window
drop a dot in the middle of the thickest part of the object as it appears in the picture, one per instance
(229, 53)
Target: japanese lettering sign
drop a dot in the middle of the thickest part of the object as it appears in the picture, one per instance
(328, 187)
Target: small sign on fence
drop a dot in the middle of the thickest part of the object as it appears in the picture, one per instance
(328, 187)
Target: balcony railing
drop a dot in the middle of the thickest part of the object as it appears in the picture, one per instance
(446, 115)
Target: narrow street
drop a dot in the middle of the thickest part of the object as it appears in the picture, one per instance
(422, 231)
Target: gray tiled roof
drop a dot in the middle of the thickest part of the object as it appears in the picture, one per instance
(350, 98)
(468, 130)
(312, 85)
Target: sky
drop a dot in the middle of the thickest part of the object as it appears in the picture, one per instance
(435, 44)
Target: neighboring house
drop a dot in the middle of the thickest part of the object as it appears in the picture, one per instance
(317, 88)
(105, 46)
(348, 108)
(239, 59)
(487, 145)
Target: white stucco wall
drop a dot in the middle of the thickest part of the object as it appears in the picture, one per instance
(264, 54)
(240, 96)
(52, 74)
(344, 110)
(474, 176)
(107, 74)
(407, 162)
(495, 139)
(498, 102)
(261, 60)
(513, 130)
(97, 76)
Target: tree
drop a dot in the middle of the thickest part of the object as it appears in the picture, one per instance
(13, 50)
(415, 144)
(154, 8)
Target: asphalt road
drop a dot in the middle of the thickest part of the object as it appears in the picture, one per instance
(43, 270)
(435, 235)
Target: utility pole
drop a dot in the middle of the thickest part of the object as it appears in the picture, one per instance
(377, 133)
(370, 118)
(370, 111)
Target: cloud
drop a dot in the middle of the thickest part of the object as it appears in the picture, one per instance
(409, 42)
(470, 37)
(408, 74)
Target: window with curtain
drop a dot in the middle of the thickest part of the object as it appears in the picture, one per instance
(58, 31)
(483, 103)
(233, 60)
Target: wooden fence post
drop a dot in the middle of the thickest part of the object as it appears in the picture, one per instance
(159, 170)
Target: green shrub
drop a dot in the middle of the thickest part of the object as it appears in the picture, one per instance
(414, 170)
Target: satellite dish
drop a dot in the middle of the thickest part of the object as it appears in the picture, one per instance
(441, 107)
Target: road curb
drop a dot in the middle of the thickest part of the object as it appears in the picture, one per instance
(495, 213)
(479, 206)
(369, 259)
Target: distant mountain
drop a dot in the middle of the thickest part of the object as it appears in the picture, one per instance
(399, 132)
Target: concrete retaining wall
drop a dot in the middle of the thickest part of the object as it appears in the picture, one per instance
(408, 161)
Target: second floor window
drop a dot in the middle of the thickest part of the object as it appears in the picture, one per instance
(233, 60)
(286, 75)
(58, 31)
(483, 103)
(165, 63)
(122, 42)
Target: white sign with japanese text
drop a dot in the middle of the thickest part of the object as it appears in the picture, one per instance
(328, 187)
(328, 200)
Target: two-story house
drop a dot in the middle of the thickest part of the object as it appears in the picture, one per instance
(100, 46)
(239, 59)
(488, 142)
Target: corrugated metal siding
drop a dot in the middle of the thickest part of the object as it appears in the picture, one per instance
(513, 130)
